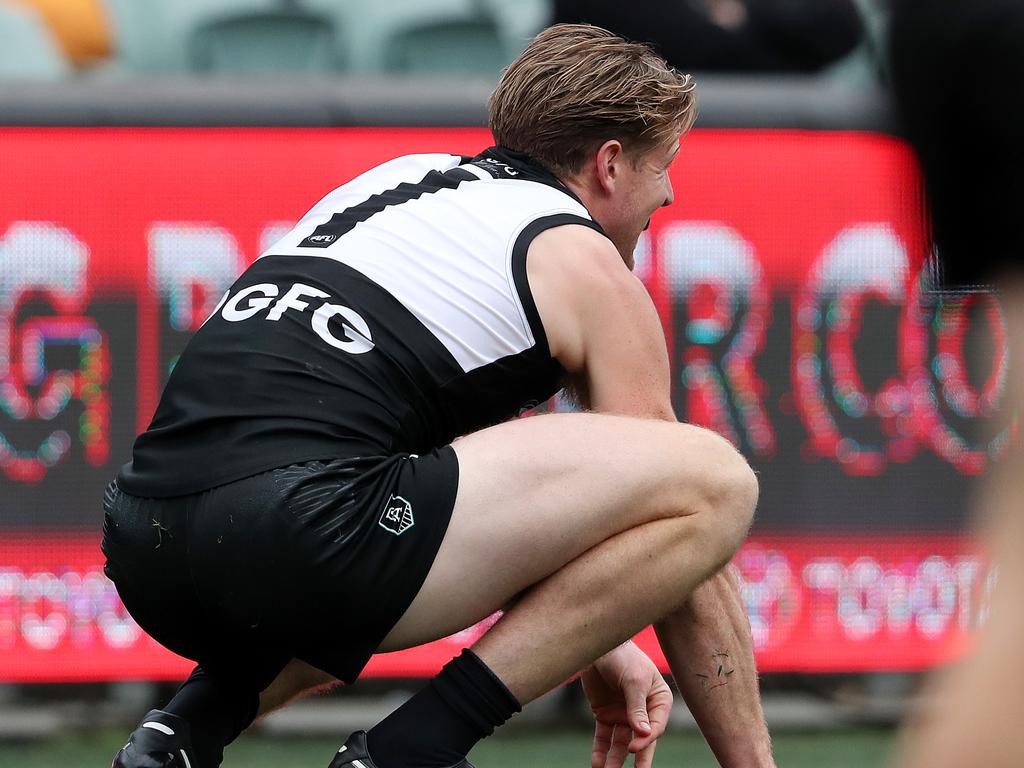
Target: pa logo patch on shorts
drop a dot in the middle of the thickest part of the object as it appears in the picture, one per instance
(397, 516)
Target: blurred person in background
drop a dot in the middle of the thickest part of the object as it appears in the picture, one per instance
(303, 498)
(80, 27)
(730, 35)
(957, 73)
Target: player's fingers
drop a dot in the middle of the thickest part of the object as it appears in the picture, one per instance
(602, 743)
(659, 708)
(635, 695)
(620, 747)
(645, 757)
(639, 743)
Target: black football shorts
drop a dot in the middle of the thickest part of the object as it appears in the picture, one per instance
(315, 561)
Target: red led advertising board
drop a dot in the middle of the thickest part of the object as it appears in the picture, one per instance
(786, 275)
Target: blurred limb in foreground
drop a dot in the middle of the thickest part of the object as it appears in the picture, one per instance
(956, 68)
(971, 714)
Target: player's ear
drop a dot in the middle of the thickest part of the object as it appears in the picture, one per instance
(609, 159)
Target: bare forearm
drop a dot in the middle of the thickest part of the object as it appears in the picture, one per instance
(708, 645)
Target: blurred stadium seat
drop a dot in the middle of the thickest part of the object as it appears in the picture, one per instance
(223, 37)
(519, 20)
(447, 46)
(866, 64)
(412, 36)
(28, 50)
(277, 41)
(471, 37)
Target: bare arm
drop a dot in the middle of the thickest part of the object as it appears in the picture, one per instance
(585, 294)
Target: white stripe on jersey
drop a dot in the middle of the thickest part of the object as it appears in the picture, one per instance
(446, 256)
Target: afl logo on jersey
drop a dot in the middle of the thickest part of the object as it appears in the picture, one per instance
(339, 326)
(319, 241)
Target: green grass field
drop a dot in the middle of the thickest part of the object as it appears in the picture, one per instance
(515, 749)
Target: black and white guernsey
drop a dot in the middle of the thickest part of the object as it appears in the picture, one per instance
(394, 317)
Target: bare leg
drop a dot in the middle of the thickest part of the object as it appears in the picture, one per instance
(709, 647)
(597, 602)
(536, 494)
(593, 604)
(296, 680)
(598, 543)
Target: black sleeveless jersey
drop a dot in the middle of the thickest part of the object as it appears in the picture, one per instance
(393, 318)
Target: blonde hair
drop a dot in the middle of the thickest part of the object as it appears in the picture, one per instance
(577, 86)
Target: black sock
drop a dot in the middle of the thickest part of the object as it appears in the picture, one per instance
(439, 725)
(216, 713)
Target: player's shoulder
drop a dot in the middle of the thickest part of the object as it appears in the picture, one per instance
(412, 166)
(389, 175)
(579, 256)
(409, 169)
(580, 283)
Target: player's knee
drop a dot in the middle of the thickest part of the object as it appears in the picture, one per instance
(727, 492)
(728, 520)
(740, 500)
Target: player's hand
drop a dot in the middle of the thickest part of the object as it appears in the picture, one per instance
(631, 703)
